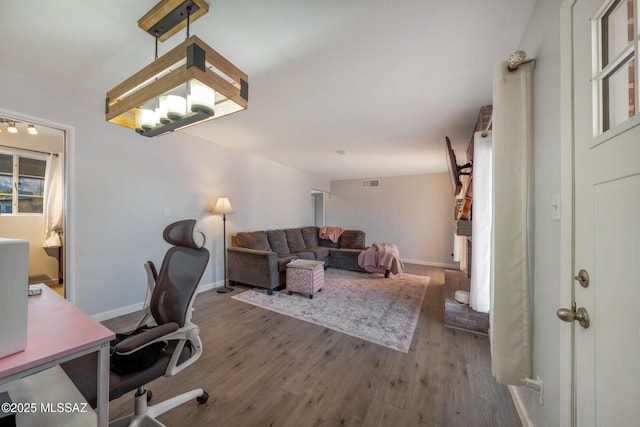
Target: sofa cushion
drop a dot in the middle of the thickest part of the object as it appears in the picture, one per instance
(253, 240)
(320, 252)
(306, 255)
(278, 242)
(295, 240)
(310, 236)
(352, 239)
(327, 243)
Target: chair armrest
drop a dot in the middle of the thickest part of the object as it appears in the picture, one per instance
(188, 333)
(152, 273)
(136, 342)
(152, 276)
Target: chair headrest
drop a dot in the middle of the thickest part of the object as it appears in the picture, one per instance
(183, 233)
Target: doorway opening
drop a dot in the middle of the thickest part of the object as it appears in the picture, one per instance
(318, 213)
(32, 194)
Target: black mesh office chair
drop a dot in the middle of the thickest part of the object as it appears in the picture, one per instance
(170, 305)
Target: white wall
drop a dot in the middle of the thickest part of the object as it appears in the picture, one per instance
(43, 263)
(119, 184)
(414, 212)
(541, 40)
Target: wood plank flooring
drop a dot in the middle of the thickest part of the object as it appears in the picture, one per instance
(261, 368)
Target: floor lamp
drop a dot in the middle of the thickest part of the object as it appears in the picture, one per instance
(223, 206)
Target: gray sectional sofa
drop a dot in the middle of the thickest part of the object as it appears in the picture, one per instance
(259, 258)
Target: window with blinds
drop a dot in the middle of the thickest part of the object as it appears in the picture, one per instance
(21, 184)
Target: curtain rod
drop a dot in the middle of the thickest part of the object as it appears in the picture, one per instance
(27, 149)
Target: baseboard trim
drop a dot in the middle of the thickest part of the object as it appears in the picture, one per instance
(50, 282)
(471, 331)
(433, 264)
(520, 407)
(106, 315)
(208, 286)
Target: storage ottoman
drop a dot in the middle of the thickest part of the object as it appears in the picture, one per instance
(305, 276)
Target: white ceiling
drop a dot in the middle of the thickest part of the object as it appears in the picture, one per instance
(384, 80)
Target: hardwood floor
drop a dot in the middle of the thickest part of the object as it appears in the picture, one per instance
(261, 368)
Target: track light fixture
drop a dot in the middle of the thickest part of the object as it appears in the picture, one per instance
(13, 128)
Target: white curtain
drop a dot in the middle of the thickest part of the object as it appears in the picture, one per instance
(510, 324)
(53, 203)
(458, 244)
(480, 290)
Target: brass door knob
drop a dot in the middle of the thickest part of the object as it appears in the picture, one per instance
(571, 315)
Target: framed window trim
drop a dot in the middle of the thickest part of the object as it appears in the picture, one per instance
(16, 154)
(604, 67)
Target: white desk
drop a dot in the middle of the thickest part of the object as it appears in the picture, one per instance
(58, 331)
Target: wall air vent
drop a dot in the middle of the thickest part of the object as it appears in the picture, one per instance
(370, 183)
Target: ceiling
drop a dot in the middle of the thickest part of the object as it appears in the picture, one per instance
(382, 80)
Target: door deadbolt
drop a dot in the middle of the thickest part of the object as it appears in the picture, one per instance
(572, 315)
(582, 278)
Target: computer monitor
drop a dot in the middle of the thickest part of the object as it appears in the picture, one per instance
(14, 287)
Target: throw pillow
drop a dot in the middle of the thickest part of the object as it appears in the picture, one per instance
(352, 239)
(310, 236)
(278, 242)
(253, 240)
(295, 240)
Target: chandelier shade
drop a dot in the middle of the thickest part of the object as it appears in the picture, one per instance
(190, 84)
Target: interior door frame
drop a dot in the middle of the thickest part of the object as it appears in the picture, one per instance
(69, 233)
(314, 206)
(566, 344)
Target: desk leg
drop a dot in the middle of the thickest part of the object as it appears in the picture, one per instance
(103, 386)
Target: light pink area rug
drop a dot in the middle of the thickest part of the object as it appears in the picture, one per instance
(367, 306)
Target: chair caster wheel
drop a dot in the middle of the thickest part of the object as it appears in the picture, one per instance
(149, 396)
(202, 399)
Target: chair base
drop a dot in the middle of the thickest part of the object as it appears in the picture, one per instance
(145, 416)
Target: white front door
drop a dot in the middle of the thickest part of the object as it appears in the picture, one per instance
(606, 156)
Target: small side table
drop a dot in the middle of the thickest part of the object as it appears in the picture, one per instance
(305, 277)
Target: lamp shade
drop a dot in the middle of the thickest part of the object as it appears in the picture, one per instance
(223, 206)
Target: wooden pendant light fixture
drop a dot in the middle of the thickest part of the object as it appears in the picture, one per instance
(190, 84)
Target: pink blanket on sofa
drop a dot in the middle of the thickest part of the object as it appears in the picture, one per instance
(330, 233)
(380, 258)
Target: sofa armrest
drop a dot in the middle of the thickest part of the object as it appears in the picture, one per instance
(253, 267)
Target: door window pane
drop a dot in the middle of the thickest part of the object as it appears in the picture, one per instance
(616, 36)
(618, 95)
